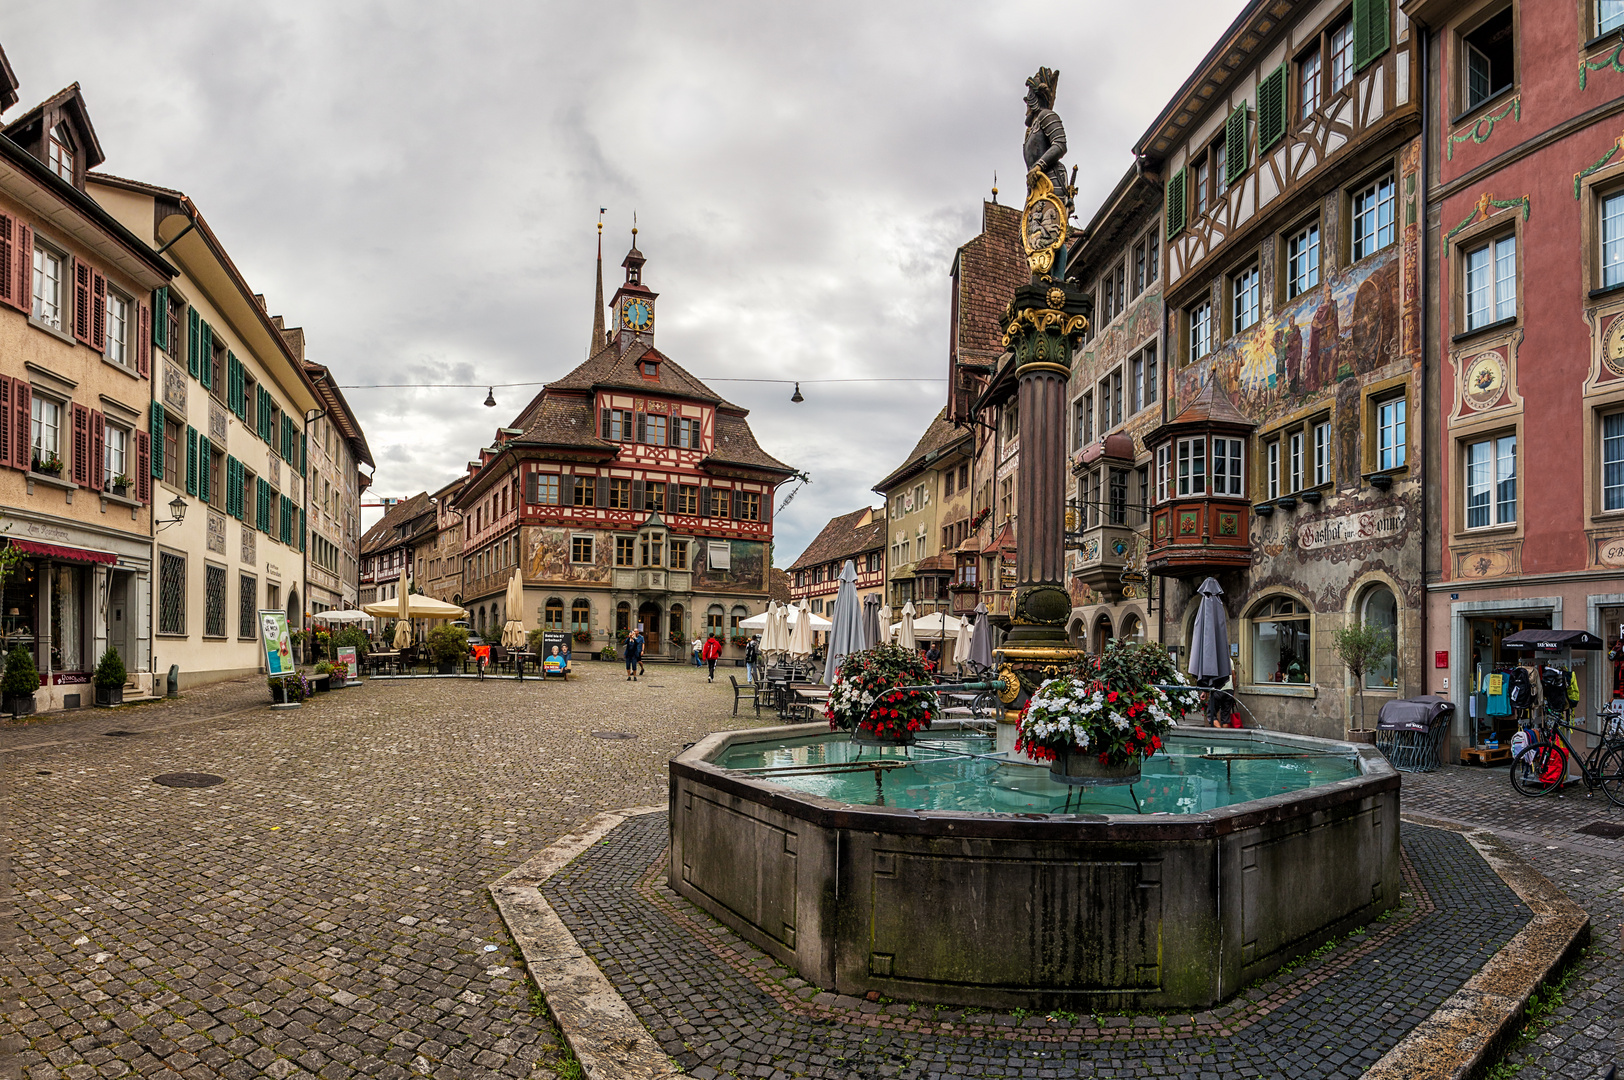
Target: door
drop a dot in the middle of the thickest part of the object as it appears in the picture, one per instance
(648, 616)
(118, 620)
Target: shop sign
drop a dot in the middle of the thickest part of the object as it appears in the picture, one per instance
(1382, 524)
(46, 532)
(69, 678)
(1610, 552)
(273, 635)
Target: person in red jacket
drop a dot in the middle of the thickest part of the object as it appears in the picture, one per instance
(712, 649)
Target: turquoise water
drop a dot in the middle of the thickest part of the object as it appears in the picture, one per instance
(1190, 775)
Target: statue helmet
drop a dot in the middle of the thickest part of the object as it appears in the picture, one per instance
(1042, 86)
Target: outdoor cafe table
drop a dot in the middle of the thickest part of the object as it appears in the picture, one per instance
(376, 660)
(811, 699)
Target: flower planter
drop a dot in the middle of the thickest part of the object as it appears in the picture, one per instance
(109, 695)
(446, 667)
(1084, 769)
(280, 696)
(121, 491)
(17, 705)
(864, 738)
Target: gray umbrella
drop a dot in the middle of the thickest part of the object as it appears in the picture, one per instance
(871, 620)
(981, 639)
(846, 635)
(1209, 638)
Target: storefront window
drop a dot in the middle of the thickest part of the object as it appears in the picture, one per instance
(1381, 613)
(67, 618)
(1281, 649)
(19, 607)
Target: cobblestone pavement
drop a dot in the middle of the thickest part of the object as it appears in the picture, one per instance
(323, 911)
(205, 702)
(723, 1008)
(1580, 1039)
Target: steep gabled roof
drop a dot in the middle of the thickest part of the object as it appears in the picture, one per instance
(383, 534)
(843, 537)
(736, 445)
(71, 103)
(8, 83)
(556, 420)
(615, 365)
(940, 435)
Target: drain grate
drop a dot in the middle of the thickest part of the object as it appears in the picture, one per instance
(1611, 830)
(118, 734)
(188, 779)
(613, 735)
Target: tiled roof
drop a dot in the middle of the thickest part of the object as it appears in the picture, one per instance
(991, 267)
(736, 445)
(936, 564)
(940, 434)
(615, 365)
(564, 421)
(383, 535)
(843, 537)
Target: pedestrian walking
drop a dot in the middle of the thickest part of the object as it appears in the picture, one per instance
(698, 647)
(642, 643)
(634, 655)
(752, 656)
(711, 650)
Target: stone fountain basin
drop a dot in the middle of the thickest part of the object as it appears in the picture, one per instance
(1090, 913)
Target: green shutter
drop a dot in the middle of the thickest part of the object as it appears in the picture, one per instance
(205, 357)
(1370, 31)
(160, 317)
(302, 528)
(157, 425)
(1271, 109)
(1175, 203)
(304, 452)
(194, 332)
(233, 491)
(205, 456)
(234, 384)
(1235, 146)
(191, 460)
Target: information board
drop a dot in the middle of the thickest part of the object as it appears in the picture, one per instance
(273, 634)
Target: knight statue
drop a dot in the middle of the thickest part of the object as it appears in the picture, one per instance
(1045, 135)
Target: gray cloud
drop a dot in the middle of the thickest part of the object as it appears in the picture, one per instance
(416, 183)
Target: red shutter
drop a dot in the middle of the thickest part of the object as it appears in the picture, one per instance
(22, 409)
(98, 449)
(98, 308)
(6, 384)
(143, 341)
(81, 301)
(143, 466)
(80, 469)
(24, 290)
(8, 262)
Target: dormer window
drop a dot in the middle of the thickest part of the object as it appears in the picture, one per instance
(59, 153)
(650, 369)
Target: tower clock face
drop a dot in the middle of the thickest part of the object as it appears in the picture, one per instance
(637, 315)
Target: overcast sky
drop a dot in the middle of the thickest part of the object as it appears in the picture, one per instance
(417, 183)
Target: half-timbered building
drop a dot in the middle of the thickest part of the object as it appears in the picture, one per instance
(858, 536)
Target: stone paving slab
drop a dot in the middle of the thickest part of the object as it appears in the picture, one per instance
(722, 1008)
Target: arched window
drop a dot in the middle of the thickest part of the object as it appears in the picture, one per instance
(713, 620)
(482, 619)
(740, 613)
(1282, 644)
(553, 614)
(678, 625)
(623, 618)
(1132, 628)
(1380, 612)
(1077, 634)
(1102, 632)
(581, 617)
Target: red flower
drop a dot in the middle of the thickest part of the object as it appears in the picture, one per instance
(1156, 742)
(1105, 759)
(1112, 696)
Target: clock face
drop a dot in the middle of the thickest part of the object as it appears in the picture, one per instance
(637, 314)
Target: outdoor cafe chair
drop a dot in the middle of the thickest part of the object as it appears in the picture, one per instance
(747, 691)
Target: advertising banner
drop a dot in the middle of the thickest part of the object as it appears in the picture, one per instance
(273, 634)
(346, 656)
(555, 652)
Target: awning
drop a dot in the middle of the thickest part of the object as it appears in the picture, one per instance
(59, 551)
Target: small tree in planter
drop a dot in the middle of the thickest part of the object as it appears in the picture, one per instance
(1099, 721)
(868, 701)
(351, 637)
(109, 678)
(19, 683)
(1361, 647)
(447, 646)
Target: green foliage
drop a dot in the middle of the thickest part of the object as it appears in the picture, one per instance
(447, 644)
(534, 639)
(867, 693)
(110, 671)
(1109, 704)
(22, 677)
(293, 686)
(1359, 646)
(607, 653)
(324, 668)
(352, 636)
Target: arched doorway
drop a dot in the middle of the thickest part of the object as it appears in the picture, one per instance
(296, 622)
(648, 616)
(1102, 632)
(1132, 628)
(1077, 634)
(623, 619)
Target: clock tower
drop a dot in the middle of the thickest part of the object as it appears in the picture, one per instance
(633, 303)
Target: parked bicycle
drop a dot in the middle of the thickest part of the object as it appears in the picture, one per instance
(1542, 765)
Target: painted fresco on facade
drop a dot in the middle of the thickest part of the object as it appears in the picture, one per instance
(748, 569)
(549, 559)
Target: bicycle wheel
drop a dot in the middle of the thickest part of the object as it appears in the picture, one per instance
(1538, 769)
(1612, 775)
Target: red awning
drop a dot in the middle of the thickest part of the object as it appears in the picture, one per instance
(58, 551)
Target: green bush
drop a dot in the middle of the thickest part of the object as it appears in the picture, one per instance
(22, 677)
(535, 638)
(448, 644)
(352, 637)
(110, 671)
(324, 668)
(607, 653)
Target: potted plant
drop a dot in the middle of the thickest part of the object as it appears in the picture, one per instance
(121, 485)
(583, 637)
(50, 464)
(109, 678)
(447, 646)
(19, 683)
(607, 653)
(288, 689)
(338, 674)
(1096, 723)
(868, 698)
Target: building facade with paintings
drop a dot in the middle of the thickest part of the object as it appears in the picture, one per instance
(1116, 400)
(628, 493)
(927, 515)
(76, 363)
(442, 573)
(1288, 468)
(859, 536)
(1525, 319)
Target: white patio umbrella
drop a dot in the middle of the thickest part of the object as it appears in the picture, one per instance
(513, 631)
(886, 629)
(417, 606)
(800, 634)
(789, 614)
(961, 643)
(403, 616)
(344, 616)
(937, 626)
(905, 629)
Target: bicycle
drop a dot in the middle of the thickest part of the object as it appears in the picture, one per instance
(1542, 765)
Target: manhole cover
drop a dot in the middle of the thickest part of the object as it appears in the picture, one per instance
(43, 772)
(118, 734)
(1608, 829)
(188, 779)
(613, 735)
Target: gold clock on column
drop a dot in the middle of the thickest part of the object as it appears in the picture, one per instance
(637, 314)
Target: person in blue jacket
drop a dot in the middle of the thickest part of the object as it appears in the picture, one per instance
(634, 654)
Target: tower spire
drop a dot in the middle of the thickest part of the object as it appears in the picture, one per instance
(598, 334)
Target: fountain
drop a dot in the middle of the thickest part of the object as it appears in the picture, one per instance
(955, 872)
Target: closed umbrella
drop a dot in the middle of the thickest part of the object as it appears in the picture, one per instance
(513, 631)
(846, 636)
(981, 640)
(1209, 645)
(905, 629)
(888, 633)
(403, 615)
(800, 634)
(871, 621)
(962, 642)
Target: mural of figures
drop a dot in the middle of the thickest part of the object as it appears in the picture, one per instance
(1347, 435)
(549, 558)
(747, 568)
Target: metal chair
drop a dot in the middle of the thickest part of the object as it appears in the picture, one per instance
(747, 691)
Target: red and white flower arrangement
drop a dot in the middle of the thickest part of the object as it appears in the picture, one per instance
(1110, 705)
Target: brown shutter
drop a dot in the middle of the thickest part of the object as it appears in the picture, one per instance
(637, 495)
(704, 502)
(531, 483)
(8, 262)
(80, 469)
(25, 268)
(143, 466)
(22, 407)
(6, 385)
(642, 427)
(603, 492)
(98, 449)
(81, 301)
(604, 418)
(738, 504)
(98, 311)
(143, 342)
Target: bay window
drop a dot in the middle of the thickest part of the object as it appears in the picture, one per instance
(1192, 467)
(1226, 466)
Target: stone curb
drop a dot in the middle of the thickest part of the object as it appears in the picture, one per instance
(1460, 1036)
(607, 1038)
